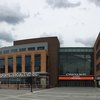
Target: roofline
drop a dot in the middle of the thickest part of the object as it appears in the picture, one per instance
(36, 38)
(76, 47)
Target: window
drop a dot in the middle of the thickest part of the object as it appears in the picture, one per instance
(28, 63)
(22, 49)
(10, 65)
(37, 62)
(31, 48)
(2, 66)
(18, 64)
(14, 50)
(0, 52)
(6, 51)
(41, 48)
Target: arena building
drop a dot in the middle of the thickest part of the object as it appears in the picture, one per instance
(30, 61)
(41, 62)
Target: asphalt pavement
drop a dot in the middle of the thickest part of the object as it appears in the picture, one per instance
(62, 93)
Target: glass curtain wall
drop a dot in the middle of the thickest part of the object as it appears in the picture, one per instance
(37, 62)
(19, 64)
(10, 65)
(2, 66)
(76, 63)
(28, 63)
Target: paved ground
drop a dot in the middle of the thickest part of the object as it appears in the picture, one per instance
(65, 93)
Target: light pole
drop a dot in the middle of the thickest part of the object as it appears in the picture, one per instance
(8, 81)
(31, 79)
(18, 80)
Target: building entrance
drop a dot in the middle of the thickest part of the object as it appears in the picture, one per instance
(76, 83)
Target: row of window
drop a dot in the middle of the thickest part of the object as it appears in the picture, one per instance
(19, 64)
(76, 50)
(22, 49)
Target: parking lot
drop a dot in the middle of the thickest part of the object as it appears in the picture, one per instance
(62, 93)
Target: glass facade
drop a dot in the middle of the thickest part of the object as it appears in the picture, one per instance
(76, 61)
(37, 62)
(10, 61)
(2, 66)
(28, 63)
(19, 64)
(10, 65)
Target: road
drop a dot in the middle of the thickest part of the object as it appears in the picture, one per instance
(62, 93)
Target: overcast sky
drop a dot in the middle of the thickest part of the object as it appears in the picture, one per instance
(75, 22)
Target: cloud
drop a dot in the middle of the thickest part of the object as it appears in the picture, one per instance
(62, 3)
(36, 14)
(11, 15)
(45, 34)
(86, 42)
(96, 2)
(6, 36)
(0, 44)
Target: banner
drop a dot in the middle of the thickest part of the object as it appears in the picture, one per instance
(76, 78)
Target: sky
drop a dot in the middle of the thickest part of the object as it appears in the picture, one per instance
(75, 22)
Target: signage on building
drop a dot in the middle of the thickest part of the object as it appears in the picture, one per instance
(19, 74)
(75, 74)
(76, 78)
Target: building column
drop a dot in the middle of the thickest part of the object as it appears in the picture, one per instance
(23, 62)
(43, 62)
(14, 64)
(32, 62)
(95, 76)
(6, 65)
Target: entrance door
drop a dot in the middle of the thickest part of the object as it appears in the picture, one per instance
(76, 83)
